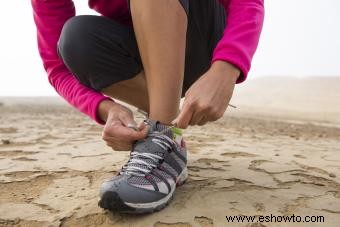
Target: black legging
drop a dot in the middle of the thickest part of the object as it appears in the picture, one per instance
(101, 52)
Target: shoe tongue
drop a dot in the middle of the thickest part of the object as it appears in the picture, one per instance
(147, 145)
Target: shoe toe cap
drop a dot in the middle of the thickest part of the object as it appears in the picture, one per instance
(111, 185)
(129, 193)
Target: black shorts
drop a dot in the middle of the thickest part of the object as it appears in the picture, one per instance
(100, 51)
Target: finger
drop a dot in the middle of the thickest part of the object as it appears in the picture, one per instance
(128, 120)
(184, 117)
(196, 118)
(138, 135)
(119, 146)
(111, 128)
(115, 142)
(115, 128)
(143, 126)
(144, 129)
(203, 121)
(124, 134)
(133, 136)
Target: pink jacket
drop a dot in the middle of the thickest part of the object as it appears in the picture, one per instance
(238, 45)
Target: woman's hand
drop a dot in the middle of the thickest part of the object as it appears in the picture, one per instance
(208, 98)
(116, 132)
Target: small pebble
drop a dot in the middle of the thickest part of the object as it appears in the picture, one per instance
(6, 142)
(332, 175)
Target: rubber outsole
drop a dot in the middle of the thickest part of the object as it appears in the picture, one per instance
(112, 202)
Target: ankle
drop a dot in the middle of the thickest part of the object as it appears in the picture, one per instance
(163, 121)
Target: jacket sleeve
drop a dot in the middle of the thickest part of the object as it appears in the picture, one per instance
(241, 36)
(49, 17)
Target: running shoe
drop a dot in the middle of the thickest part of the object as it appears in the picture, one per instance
(147, 182)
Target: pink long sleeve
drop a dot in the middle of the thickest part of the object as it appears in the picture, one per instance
(241, 36)
(50, 17)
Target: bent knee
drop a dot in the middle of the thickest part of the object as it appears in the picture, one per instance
(74, 41)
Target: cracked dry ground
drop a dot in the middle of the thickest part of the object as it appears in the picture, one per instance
(52, 162)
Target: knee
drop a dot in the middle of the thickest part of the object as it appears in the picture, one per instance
(74, 41)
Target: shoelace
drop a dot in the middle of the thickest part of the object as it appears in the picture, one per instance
(136, 158)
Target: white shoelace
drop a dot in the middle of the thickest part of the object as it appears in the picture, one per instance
(138, 166)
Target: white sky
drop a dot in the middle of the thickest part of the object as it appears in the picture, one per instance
(300, 38)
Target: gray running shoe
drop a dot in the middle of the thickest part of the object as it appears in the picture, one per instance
(147, 182)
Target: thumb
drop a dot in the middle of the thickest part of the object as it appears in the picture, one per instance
(136, 132)
(184, 117)
(141, 133)
(144, 130)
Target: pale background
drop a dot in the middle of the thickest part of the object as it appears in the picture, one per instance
(300, 38)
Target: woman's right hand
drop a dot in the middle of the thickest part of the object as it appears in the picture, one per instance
(116, 132)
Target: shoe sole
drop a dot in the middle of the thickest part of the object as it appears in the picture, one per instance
(112, 202)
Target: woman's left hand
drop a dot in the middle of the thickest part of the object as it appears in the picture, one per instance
(208, 98)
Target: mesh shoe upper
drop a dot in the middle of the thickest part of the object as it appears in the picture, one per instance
(152, 160)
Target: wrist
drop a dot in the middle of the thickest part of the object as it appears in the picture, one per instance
(226, 69)
(104, 109)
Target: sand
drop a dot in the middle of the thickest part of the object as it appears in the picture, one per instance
(277, 153)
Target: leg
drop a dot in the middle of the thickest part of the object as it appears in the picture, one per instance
(137, 94)
(104, 56)
(160, 27)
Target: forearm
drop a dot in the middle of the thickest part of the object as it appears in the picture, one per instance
(225, 70)
(104, 108)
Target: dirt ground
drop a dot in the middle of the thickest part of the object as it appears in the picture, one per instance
(52, 162)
